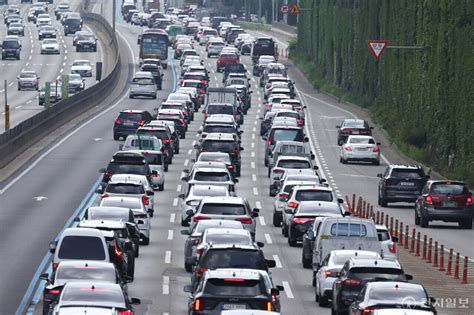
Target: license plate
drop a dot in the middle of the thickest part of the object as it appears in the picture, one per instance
(449, 204)
(355, 132)
(233, 307)
(128, 123)
(407, 184)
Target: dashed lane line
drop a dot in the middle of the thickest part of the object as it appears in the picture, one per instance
(268, 238)
(168, 257)
(170, 235)
(172, 217)
(277, 261)
(288, 291)
(166, 285)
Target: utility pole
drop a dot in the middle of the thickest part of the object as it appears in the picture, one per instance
(7, 109)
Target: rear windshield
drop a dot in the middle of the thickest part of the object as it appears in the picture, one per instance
(101, 296)
(216, 109)
(139, 169)
(289, 148)
(233, 258)
(81, 272)
(219, 129)
(194, 77)
(368, 273)
(205, 191)
(448, 189)
(130, 204)
(362, 140)
(211, 176)
(294, 164)
(407, 173)
(287, 135)
(131, 116)
(313, 195)
(153, 159)
(354, 124)
(218, 158)
(348, 229)
(234, 287)
(415, 293)
(224, 209)
(217, 44)
(383, 236)
(219, 146)
(143, 144)
(125, 189)
(147, 81)
(82, 248)
(160, 134)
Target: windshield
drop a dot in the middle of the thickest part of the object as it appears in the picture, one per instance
(10, 44)
(228, 239)
(129, 203)
(354, 124)
(223, 209)
(153, 159)
(209, 192)
(313, 195)
(81, 63)
(416, 294)
(361, 140)
(27, 75)
(233, 258)
(219, 129)
(449, 189)
(407, 173)
(154, 45)
(211, 176)
(50, 41)
(220, 109)
(125, 189)
(100, 295)
(369, 273)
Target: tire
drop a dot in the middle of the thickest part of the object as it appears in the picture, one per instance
(343, 161)
(323, 301)
(291, 241)
(188, 267)
(417, 218)
(377, 162)
(165, 168)
(237, 172)
(208, 56)
(383, 202)
(276, 220)
(19, 88)
(466, 224)
(176, 151)
(161, 187)
(131, 269)
(284, 230)
(424, 222)
(305, 262)
(146, 241)
(116, 137)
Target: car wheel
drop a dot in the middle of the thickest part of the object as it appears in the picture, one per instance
(116, 137)
(131, 96)
(276, 220)
(323, 301)
(237, 172)
(284, 230)
(305, 262)
(46, 308)
(316, 295)
(383, 202)
(188, 267)
(467, 224)
(165, 168)
(176, 151)
(291, 241)
(424, 222)
(343, 161)
(19, 87)
(417, 218)
(161, 187)
(131, 268)
(377, 162)
(146, 241)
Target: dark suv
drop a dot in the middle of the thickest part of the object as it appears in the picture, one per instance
(11, 49)
(162, 133)
(400, 183)
(86, 42)
(445, 200)
(217, 142)
(128, 122)
(124, 162)
(352, 127)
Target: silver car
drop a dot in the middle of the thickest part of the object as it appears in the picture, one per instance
(194, 196)
(28, 80)
(76, 82)
(82, 67)
(16, 29)
(142, 217)
(143, 84)
(360, 148)
(50, 46)
(388, 242)
(141, 142)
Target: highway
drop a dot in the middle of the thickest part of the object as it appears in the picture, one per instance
(42, 198)
(24, 104)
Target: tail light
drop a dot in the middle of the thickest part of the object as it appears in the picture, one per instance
(244, 220)
(376, 149)
(201, 271)
(145, 200)
(269, 306)
(141, 122)
(182, 121)
(55, 266)
(54, 291)
(368, 311)
(393, 248)
(118, 122)
(197, 305)
(301, 220)
(468, 200)
(350, 282)
(300, 122)
(205, 116)
(388, 182)
(166, 141)
(201, 91)
(199, 251)
(292, 204)
(428, 200)
(104, 196)
(348, 148)
(269, 142)
(198, 218)
(283, 195)
(117, 251)
(233, 152)
(327, 274)
(108, 174)
(196, 240)
(127, 312)
(278, 171)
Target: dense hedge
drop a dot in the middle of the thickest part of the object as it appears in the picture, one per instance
(424, 98)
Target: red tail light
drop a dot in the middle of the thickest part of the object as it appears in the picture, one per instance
(428, 200)
(201, 271)
(145, 200)
(468, 200)
(108, 174)
(232, 152)
(245, 220)
(327, 274)
(127, 312)
(199, 251)
(201, 91)
(141, 122)
(104, 196)
(197, 305)
(198, 218)
(54, 291)
(292, 204)
(283, 195)
(278, 171)
(55, 265)
(205, 116)
(166, 141)
(350, 282)
(118, 121)
(301, 220)
(182, 121)
(299, 122)
(348, 148)
(117, 251)
(269, 142)
(376, 149)
(368, 311)
(393, 248)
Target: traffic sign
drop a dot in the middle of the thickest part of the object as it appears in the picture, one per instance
(284, 9)
(294, 9)
(377, 47)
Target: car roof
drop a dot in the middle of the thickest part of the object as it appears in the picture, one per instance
(225, 200)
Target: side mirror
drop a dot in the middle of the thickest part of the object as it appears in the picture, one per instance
(432, 300)
(135, 301)
(323, 180)
(185, 232)
(347, 214)
(196, 146)
(313, 156)
(77, 219)
(181, 196)
(44, 276)
(186, 171)
(203, 111)
(315, 167)
(190, 212)
(280, 288)
(378, 143)
(128, 279)
(102, 170)
(371, 127)
(270, 263)
(99, 190)
(274, 291)
(235, 180)
(185, 178)
(188, 288)
(380, 175)
(241, 148)
(394, 239)
(340, 200)
(338, 127)
(306, 139)
(52, 247)
(154, 172)
(260, 244)
(150, 193)
(408, 277)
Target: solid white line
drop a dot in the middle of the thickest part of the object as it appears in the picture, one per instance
(277, 261)
(172, 217)
(186, 162)
(168, 257)
(255, 191)
(268, 238)
(166, 285)
(288, 292)
(262, 220)
(170, 235)
(175, 202)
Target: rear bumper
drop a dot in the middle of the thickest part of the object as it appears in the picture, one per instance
(125, 131)
(448, 215)
(401, 195)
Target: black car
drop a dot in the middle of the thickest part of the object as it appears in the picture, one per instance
(86, 42)
(352, 127)
(164, 135)
(356, 273)
(11, 49)
(124, 162)
(179, 123)
(155, 72)
(217, 142)
(401, 183)
(72, 25)
(128, 122)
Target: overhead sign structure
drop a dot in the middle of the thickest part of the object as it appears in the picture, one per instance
(294, 9)
(284, 9)
(377, 47)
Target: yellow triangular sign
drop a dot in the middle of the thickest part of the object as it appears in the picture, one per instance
(294, 9)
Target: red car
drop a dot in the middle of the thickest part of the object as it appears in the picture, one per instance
(225, 59)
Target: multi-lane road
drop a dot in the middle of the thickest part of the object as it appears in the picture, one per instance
(24, 104)
(43, 197)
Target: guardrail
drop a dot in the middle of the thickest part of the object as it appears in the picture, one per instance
(254, 26)
(19, 138)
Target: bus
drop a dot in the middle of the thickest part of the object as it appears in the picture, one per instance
(154, 44)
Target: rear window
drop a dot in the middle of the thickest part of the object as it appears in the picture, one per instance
(211, 176)
(407, 173)
(287, 148)
(368, 273)
(228, 56)
(82, 272)
(217, 44)
(233, 258)
(131, 116)
(416, 294)
(228, 239)
(354, 124)
(362, 140)
(348, 229)
(160, 134)
(219, 129)
(82, 248)
(139, 169)
(100, 295)
(383, 236)
(224, 209)
(125, 189)
(287, 135)
(130, 204)
(448, 189)
(217, 109)
(219, 146)
(205, 191)
(153, 159)
(294, 164)
(234, 287)
(313, 195)
(143, 144)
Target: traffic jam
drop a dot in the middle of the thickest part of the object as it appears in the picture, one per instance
(351, 263)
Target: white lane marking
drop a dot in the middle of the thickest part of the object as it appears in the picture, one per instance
(26, 64)
(172, 217)
(166, 285)
(190, 152)
(262, 221)
(178, 188)
(10, 84)
(252, 164)
(252, 154)
(254, 177)
(254, 129)
(255, 191)
(268, 238)
(194, 143)
(288, 292)
(252, 144)
(258, 204)
(175, 202)
(186, 162)
(168, 257)
(277, 261)
(170, 234)
(253, 136)
(18, 107)
(28, 102)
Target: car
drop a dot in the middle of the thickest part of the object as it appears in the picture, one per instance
(142, 216)
(11, 47)
(77, 271)
(330, 269)
(77, 34)
(82, 67)
(175, 116)
(155, 72)
(43, 19)
(282, 133)
(194, 237)
(55, 94)
(156, 162)
(289, 148)
(164, 135)
(127, 162)
(143, 84)
(231, 289)
(389, 242)
(393, 297)
(141, 142)
(76, 82)
(226, 58)
(352, 127)
(400, 183)
(87, 296)
(195, 194)
(171, 126)
(360, 148)
(46, 31)
(72, 24)
(214, 236)
(28, 80)
(128, 121)
(445, 200)
(16, 29)
(287, 162)
(214, 47)
(218, 157)
(86, 42)
(50, 46)
(61, 8)
(262, 62)
(356, 273)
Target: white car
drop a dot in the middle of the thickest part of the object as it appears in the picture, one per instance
(329, 270)
(388, 242)
(140, 213)
(41, 21)
(360, 148)
(82, 67)
(50, 46)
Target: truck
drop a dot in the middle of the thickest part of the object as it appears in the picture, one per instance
(151, 5)
(263, 46)
(221, 95)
